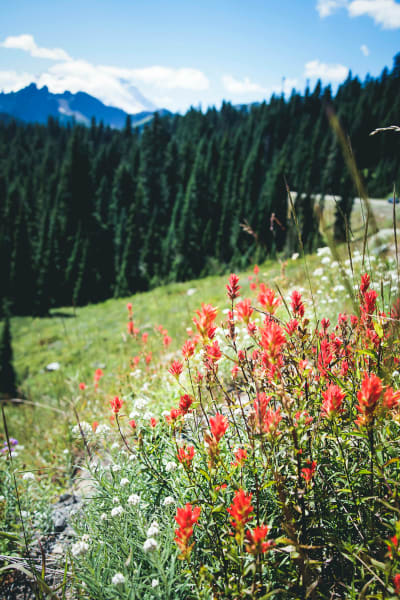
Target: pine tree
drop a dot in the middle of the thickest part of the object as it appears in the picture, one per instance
(7, 374)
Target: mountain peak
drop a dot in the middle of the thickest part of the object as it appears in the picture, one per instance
(35, 104)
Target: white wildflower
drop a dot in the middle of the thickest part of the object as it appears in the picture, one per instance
(134, 414)
(325, 260)
(295, 256)
(115, 468)
(148, 415)
(103, 429)
(132, 456)
(118, 579)
(153, 530)
(28, 475)
(154, 583)
(134, 499)
(165, 413)
(318, 272)
(86, 537)
(114, 446)
(124, 481)
(117, 511)
(103, 517)
(170, 466)
(79, 548)
(141, 403)
(115, 500)
(326, 251)
(84, 427)
(150, 545)
(168, 500)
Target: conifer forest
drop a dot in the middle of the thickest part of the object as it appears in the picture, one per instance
(89, 213)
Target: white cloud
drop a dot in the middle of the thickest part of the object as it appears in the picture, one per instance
(236, 86)
(11, 81)
(383, 12)
(326, 7)
(27, 43)
(315, 68)
(364, 49)
(162, 77)
(114, 86)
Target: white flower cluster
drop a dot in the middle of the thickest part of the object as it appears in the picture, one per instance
(168, 500)
(151, 543)
(134, 499)
(170, 466)
(124, 481)
(79, 548)
(28, 476)
(117, 511)
(84, 427)
(118, 579)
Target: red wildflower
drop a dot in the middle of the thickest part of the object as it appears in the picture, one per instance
(218, 425)
(233, 287)
(333, 398)
(244, 310)
(116, 404)
(130, 327)
(235, 371)
(167, 340)
(129, 307)
(325, 324)
(176, 368)
(185, 517)
(271, 421)
(82, 386)
(205, 321)
(98, 374)
(391, 399)
(241, 509)
(148, 358)
(186, 455)
(145, 337)
(153, 422)
(396, 582)
(368, 396)
(302, 418)
(260, 406)
(95, 425)
(370, 302)
(132, 423)
(188, 349)
(256, 270)
(268, 299)
(291, 326)
(393, 544)
(296, 304)
(173, 415)
(185, 403)
(308, 472)
(365, 281)
(213, 352)
(241, 355)
(255, 540)
(272, 339)
(241, 456)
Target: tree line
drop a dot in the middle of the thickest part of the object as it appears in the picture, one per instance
(88, 213)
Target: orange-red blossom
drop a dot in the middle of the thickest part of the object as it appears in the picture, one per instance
(255, 540)
(185, 517)
(241, 510)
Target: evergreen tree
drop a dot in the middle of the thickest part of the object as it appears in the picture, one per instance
(7, 374)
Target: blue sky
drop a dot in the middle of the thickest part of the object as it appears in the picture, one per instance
(180, 53)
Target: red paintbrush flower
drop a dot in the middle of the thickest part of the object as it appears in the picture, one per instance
(241, 509)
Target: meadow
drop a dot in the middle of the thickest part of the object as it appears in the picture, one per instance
(233, 437)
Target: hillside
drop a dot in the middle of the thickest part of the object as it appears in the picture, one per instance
(100, 213)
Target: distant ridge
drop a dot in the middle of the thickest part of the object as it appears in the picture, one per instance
(37, 105)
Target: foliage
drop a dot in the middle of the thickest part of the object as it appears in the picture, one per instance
(279, 460)
(98, 213)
